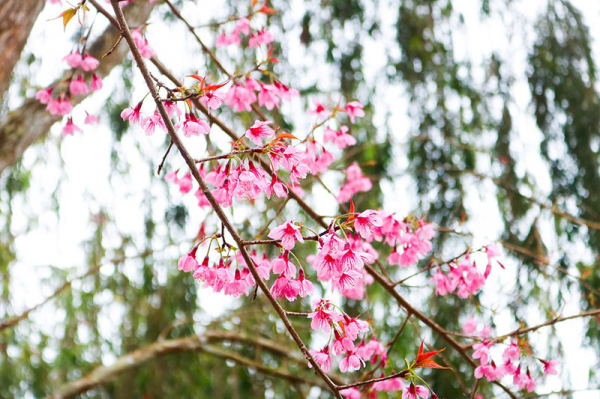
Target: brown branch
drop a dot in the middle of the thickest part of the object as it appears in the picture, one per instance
(216, 207)
(429, 322)
(229, 155)
(16, 20)
(401, 374)
(31, 122)
(559, 319)
(104, 374)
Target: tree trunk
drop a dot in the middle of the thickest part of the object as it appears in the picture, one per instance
(31, 122)
(16, 20)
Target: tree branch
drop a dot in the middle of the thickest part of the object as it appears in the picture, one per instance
(216, 207)
(196, 343)
(31, 122)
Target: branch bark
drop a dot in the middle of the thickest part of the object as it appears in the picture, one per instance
(31, 122)
(197, 343)
(16, 20)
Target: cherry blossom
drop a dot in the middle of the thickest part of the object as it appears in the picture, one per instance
(288, 233)
(354, 109)
(259, 130)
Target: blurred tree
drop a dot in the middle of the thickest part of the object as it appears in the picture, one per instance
(462, 134)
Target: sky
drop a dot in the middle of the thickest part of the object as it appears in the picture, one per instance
(82, 163)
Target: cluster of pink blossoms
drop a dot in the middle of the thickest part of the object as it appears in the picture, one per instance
(255, 39)
(61, 105)
(355, 183)
(290, 283)
(190, 126)
(346, 330)
(142, 43)
(512, 361)
(464, 276)
(241, 96)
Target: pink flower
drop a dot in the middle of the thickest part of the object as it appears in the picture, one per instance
(306, 286)
(243, 25)
(213, 99)
(443, 284)
(288, 233)
(355, 182)
(90, 119)
(222, 40)
(282, 265)
(322, 357)
(192, 126)
(96, 83)
(150, 123)
(342, 344)
(185, 183)
(258, 131)
(89, 63)
(298, 172)
(240, 98)
(286, 93)
(262, 37)
(323, 316)
(354, 326)
(70, 128)
(61, 106)
(550, 367)
(512, 353)
(351, 362)
(319, 110)
(44, 96)
(412, 391)
(470, 325)
(340, 137)
(132, 114)
(268, 97)
(347, 279)
(237, 286)
(188, 263)
(286, 288)
(78, 86)
(354, 109)
(366, 222)
(350, 393)
(276, 187)
(172, 109)
(482, 351)
(527, 382)
(73, 59)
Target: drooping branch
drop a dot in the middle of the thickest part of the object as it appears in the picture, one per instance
(31, 122)
(197, 343)
(126, 33)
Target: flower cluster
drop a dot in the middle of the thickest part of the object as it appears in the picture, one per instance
(513, 358)
(242, 95)
(464, 276)
(343, 330)
(74, 86)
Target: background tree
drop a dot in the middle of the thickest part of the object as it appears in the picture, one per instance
(446, 134)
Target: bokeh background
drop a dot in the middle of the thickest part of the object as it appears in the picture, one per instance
(483, 115)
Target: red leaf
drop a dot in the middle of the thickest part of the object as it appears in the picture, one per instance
(285, 136)
(425, 360)
(215, 87)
